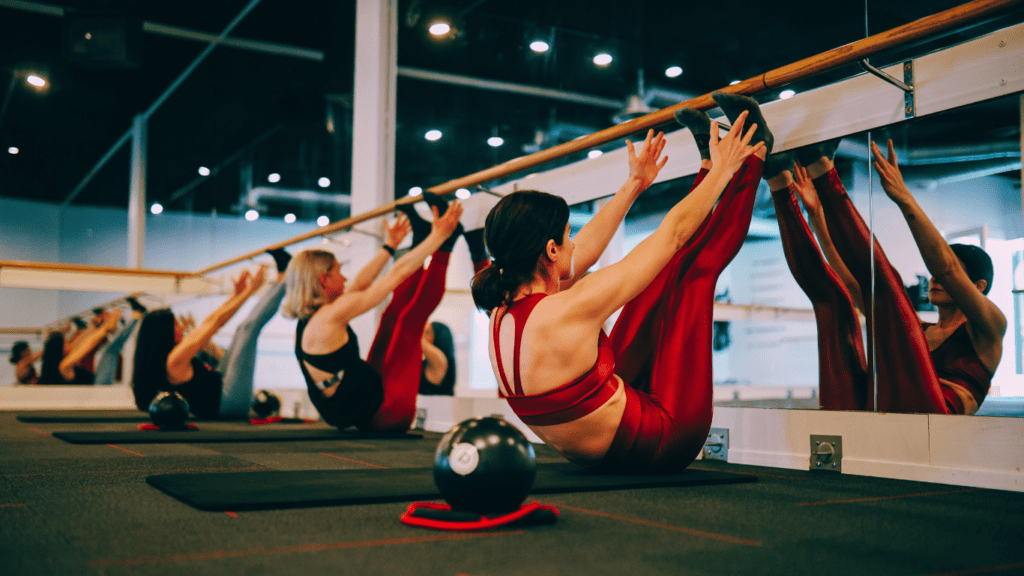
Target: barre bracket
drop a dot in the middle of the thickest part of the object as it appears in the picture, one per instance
(907, 84)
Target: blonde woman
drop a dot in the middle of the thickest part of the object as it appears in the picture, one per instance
(378, 393)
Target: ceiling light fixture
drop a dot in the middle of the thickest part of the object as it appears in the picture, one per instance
(13, 150)
(289, 218)
(251, 215)
(495, 141)
(603, 59)
(324, 182)
(433, 135)
(35, 80)
(439, 28)
(673, 71)
(156, 208)
(786, 94)
(462, 193)
(323, 221)
(539, 46)
(415, 191)
(594, 153)
(274, 178)
(204, 171)
(734, 82)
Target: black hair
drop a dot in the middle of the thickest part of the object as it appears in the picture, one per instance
(152, 347)
(53, 354)
(444, 342)
(977, 263)
(516, 232)
(17, 350)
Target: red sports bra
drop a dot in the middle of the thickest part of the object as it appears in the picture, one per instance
(957, 361)
(565, 403)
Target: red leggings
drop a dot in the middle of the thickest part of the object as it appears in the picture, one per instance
(662, 341)
(907, 381)
(397, 352)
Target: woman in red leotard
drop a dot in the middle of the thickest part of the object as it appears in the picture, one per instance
(638, 401)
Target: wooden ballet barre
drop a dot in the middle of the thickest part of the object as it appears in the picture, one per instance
(92, 269)
(970, 13)
(36, 331)
(86, 277)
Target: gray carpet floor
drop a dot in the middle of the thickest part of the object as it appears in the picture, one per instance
(86, 509)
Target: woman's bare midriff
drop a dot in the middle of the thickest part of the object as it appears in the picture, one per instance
(586, 440)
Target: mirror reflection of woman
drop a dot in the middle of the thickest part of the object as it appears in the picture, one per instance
(24, 359)
(61, 362)
(941, 368)
(438, 378)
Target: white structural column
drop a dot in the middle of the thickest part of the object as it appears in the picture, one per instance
(137, 195)
(373, 132)
(373, 122)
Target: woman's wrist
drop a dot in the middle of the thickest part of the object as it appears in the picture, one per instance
(389, 249)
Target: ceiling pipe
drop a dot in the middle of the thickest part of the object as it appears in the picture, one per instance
(257, 195)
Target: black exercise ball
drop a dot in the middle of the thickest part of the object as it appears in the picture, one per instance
(266, 404)
(484, 465)
(169, 410)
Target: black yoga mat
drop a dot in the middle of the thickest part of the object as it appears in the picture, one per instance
(274, 489)
(76, 416)
(255, 435)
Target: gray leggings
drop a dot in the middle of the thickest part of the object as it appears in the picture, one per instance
(106, 368)
(239, 362)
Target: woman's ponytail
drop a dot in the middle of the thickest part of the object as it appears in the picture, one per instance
(516, 232)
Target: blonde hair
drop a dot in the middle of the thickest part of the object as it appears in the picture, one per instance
(304, 294)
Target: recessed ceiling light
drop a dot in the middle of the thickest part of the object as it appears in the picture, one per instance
(204, 171)
(415, 191)
(323, 221)
(594, 153)
(734, 82)
(433, 135)
(603, 59)
(274, 178)
(36, 81)
(539, 46)
(673, 71)
(462, 193)
(439, 28)
(156, 208)
(786, 94)
(13, 150)
(251, 215)
(495, 141)
(289, 218)
(324, 182)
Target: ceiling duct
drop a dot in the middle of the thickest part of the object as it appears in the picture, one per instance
(256, 197)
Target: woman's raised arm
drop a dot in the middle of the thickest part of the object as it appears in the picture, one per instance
(985, 318)
(88, 343)
(354, 303)
(597, 296)
(593, 238)
(179, 361)
(393, 236)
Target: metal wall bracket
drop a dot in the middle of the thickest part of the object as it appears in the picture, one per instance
(907, 84)
(421, 419)
(826, 453)
(717, 445)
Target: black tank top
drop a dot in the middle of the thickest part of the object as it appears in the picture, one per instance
(360, 392)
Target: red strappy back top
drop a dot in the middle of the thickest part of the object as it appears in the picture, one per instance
(565, 403)
(957, 361)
